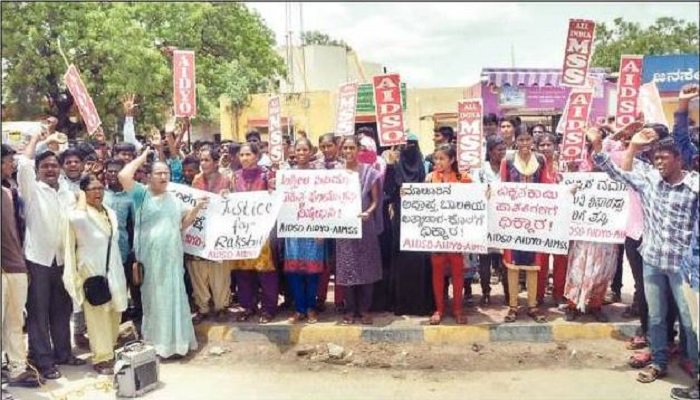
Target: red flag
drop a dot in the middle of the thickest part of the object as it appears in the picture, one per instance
(469, 136)
(387, 99)
(345, 112)
(579, 49)
(576, 112)
(274, 125)
(82, 99)
(184, 101)
(628, 83)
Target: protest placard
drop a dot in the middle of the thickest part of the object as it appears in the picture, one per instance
(444, 217)
(319, 204)
(82, 99)
(274, 123)
(576, 112)
(530, 217)
(650, 104)
(600, 208)
(579, 49)
(469, 135)
(234, 227)
(387, 97)
(345, 112)
(184, 84)
(628, 84)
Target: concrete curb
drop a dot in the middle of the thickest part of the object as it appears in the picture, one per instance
(283, 333)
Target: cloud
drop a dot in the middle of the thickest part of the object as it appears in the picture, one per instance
(447, 44)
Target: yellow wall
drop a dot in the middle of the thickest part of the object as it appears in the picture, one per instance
(422, 104)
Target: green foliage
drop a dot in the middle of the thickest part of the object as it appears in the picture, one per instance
(309, 38)
(666, 36)
(118, 49)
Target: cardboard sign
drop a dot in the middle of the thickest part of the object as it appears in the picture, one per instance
(600, 208)
(234, 227)
(628, 84)
(274, 123)
(319, 204)
(578, 53)
(576, 112)
(387, 97)
(445, 217)
(184, 96)
(470, 135)
(82, 99)
(530, 217)
(345, 112)
(650, 104)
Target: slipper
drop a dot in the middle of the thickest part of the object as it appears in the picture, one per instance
(51, 373)
(348, 319)
(435, 319)
(636, 343)
(640, 359)
(73, 361)
(536, 315)
(512, 315)
(650, 373)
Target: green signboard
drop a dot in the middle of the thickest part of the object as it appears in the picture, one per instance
(365, 98)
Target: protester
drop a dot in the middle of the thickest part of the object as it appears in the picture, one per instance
(510, 130)
(446, 171)
(441, 135)
(253, 136)
(527, 167)
(666, 192)
(49, 307)
(490, 125)
(211, 281)
(158, 244)
(358, 261)
(260, 271)
(490, 173)
(91, 235)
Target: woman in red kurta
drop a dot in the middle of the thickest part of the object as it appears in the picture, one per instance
(526, 167)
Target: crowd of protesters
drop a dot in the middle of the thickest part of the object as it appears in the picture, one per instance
(75, 211)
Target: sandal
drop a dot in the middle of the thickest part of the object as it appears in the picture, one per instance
(367, 319)
(650, 373)
(512, 315)
(461, 319)
(245, 316)
(636, 343)
(536, 315)
(296, 318)
(198, 318)
(265, 318)
(436, 318)
(348, 319)
(312, 317)
(640, 359)
(104, 368)
(73, 361)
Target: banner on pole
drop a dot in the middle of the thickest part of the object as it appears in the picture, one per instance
(345, 112)
(470, 134)
(184, 84)
(82, 99)
(387, 97)
(650, 104)
(274, 124)
(578, 52)
(576, 113)
(628, 83)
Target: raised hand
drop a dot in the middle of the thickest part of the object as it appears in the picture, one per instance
(644, 137)
(128, 102)
(689, 91)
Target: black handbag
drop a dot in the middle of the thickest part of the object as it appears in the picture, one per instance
(96, 288)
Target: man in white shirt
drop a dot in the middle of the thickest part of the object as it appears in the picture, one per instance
(49, 307)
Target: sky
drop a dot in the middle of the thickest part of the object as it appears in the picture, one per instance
(447, 44)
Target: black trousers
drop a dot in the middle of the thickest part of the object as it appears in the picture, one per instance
(49, 308)
(486, 262)
(616, 284)
(135, 311)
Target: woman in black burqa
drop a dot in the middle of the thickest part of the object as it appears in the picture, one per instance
(410, 283)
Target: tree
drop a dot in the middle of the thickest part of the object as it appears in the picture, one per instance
(309, 38)
(665, 36)
(118, 48)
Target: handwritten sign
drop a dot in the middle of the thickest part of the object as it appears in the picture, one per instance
(579, 49)
(184, 96)
(530, 217)
(319, 204)
(234, 227)
(600, 208)
(445, 217)
(274, 123)
(577, 110)
(650, 104)
(628, 84)
(345, 112)
(82, 99)
(387, 97)
(469, 136)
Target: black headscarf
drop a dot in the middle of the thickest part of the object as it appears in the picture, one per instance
(410, 167)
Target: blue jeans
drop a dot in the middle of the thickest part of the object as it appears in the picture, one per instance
(304, 288)
(657, 285)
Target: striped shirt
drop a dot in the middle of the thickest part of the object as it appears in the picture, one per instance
(668, 219)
